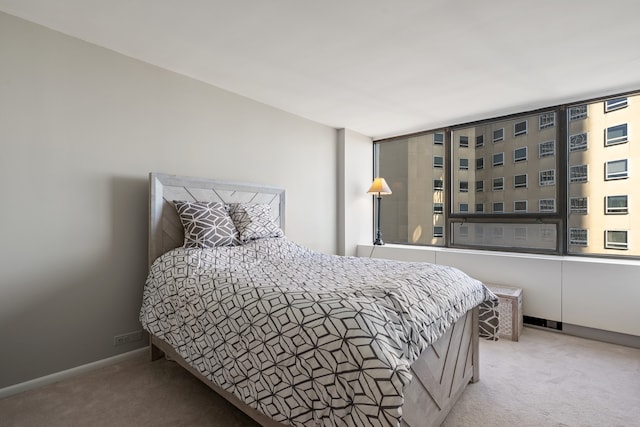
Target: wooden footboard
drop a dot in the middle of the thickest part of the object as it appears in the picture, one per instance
(440, 375)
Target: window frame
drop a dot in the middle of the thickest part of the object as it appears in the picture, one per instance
(521, 185)
(612, 176)
(493, 159)
(608, 142)
(615, 104)
(609, 244)
(495, 139)
(516, 159)
(521, 132)
(608, 210)
(493, 183)
(553, 152)
(435, 165)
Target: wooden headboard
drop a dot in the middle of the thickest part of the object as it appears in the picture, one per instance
(165, 229)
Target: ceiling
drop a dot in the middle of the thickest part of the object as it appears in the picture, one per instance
(378, 67)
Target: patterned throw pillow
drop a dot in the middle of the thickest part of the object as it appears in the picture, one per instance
(206, 224)
(254, 221)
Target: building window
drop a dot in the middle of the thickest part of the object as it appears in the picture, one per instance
(547, 177)
(479, 186)
(520, 181)
(480, 163)
(479, 207)
(463, 141)
(464, 186)
(498, 207)
(498, 159)
(520, 154)
(438, 231)
(438, 185)
(547, 205)
(617, 204)
(617, 169)
(520, 233)
(498, 135)
(463, 207)
(615, 104)
(520, 206)
(578, 236)
(438, 208)
(438, 161)
(578, 173)
(547, 148)
(464, 164)
(438, 138)
(578, 112)
(520, 128)
(578, 142)
(616, 135)
(547, 120)
(497, 233)
(616, 239)
(578, 205)
(479, 141)
(497, 184)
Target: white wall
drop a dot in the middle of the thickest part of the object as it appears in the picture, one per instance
(81, 129)
(588, 292)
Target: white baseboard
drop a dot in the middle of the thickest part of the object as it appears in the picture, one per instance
(58, 376)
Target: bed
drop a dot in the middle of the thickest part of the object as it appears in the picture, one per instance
(268, 324)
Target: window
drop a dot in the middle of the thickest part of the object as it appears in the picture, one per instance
(578, 205)
(547, 148)
(480, 163)
(547, 177)
(578, 142)
(463, 141)
(438, 208)
(520, 154)
(578, 236)
(520, 181)
(577, 113)
(438, 138)
(479, 186)
(438, 161)
(497, 233)
(615, 104)
(617, 204)
(438, 231)
(520, 128)
(479, 141)
(498, 135)
(497, 184)
(479, 207)
(464, 186)
(463, 207)
(547, 205)
(547, 120)
(498, 159)
(520, 206)
(616, 135)
(498, 207)
(617, 169)
(520, 233)
(438, 185)
(464, 164)
(616, 239)
(578, 173)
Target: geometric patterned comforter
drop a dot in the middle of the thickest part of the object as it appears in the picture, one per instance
(305, 338)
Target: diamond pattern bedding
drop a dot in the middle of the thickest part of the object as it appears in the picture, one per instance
(306, 338)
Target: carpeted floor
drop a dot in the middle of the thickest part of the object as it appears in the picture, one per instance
(545, 379)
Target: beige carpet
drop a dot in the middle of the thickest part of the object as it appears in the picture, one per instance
(545, 379)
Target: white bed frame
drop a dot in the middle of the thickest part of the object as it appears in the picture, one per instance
(441, 373)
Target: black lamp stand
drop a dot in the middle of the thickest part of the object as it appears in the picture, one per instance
(378, 240)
